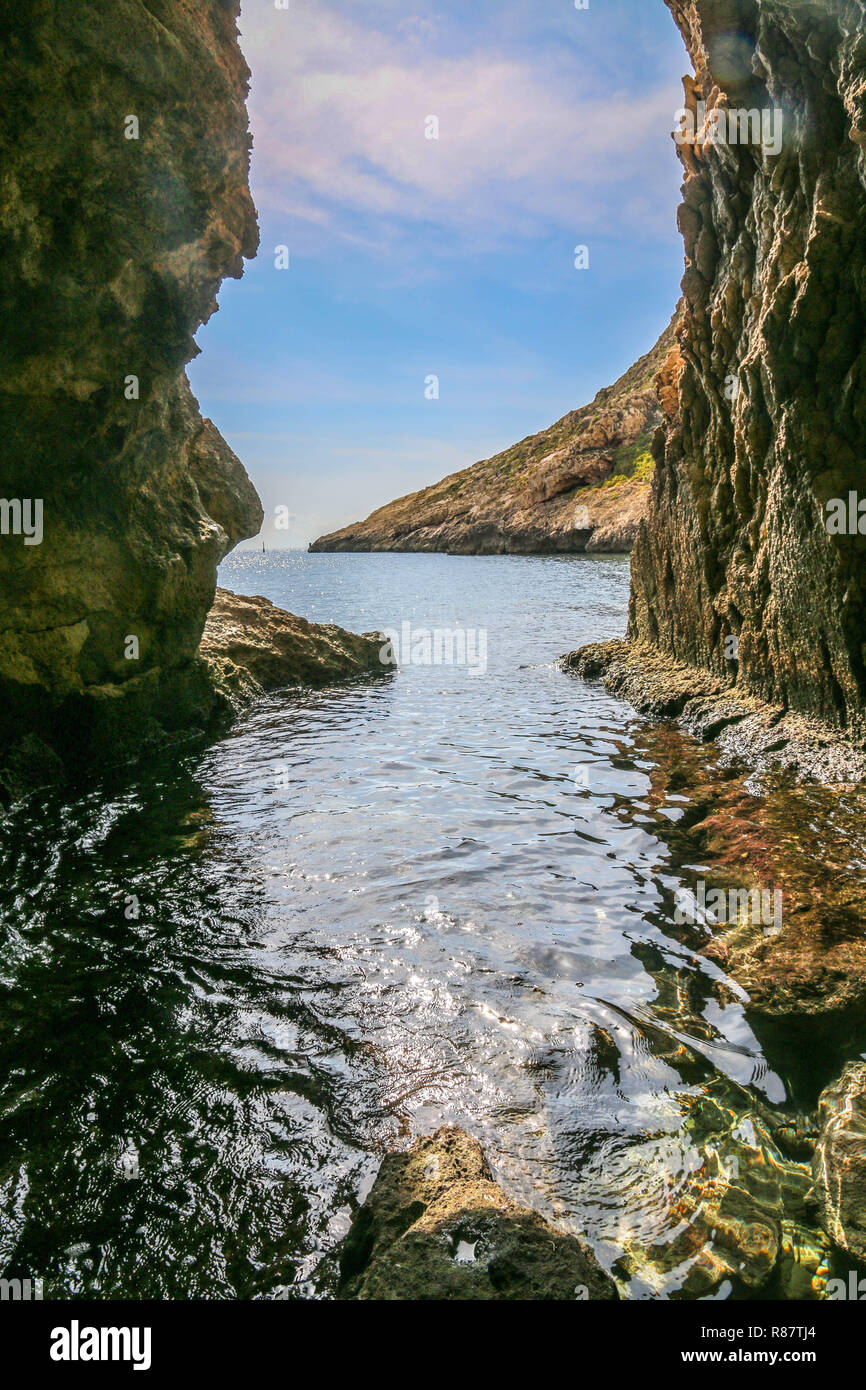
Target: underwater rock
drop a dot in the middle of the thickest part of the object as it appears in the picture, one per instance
(739, 1207)
(436, 1226)
(251, 646)
(840, 1160)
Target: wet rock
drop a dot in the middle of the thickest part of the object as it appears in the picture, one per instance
(798, 957)
(801, 972)
(581, 485)
(740, 1211)
(649, 680)
(749, 730)
(114, 239)
(705, 718)
(436, 1226)
(766, 412)
(840, 1160)
(797, 1137)
(250, 646)
(29, 765)
(771, 737)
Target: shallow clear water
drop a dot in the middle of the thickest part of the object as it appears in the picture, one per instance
(231, 980)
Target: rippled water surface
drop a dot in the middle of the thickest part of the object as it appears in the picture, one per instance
(231, 981)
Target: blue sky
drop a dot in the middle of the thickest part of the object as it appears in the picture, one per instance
(411, 257)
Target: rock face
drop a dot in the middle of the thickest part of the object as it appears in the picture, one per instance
(580, 485)
(705, 706)
(436, 1226)
(123, 204)
(251, 647)
(767, 406)
(840, 1160)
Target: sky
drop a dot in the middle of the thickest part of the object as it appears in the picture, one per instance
(411, 257)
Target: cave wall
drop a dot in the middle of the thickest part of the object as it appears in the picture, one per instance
(112, 250)
(767, 396)
(111, 253)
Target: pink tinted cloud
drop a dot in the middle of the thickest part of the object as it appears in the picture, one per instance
(338, 110)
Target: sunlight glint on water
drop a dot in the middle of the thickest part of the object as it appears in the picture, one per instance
(365, 912)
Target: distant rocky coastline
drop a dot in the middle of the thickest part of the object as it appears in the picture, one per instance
(581, 485)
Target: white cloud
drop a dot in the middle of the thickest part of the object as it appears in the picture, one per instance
(526, 140)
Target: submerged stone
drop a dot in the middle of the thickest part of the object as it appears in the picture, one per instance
(437, 1226)
(740, 1215)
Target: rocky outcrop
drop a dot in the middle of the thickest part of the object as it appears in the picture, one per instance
(248, 647)
(123, 204)
(251, 647)
(738, 568)
(436, 1226)
(580, 485)
(840, 1160)
(765, 735)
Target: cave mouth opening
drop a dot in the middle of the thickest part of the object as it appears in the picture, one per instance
(468, 228)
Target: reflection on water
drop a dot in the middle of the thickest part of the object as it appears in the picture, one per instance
(232, 980)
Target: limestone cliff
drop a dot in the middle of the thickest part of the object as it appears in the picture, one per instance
(123, 204)
(436, 1225)
(735, 569)
(580, 485)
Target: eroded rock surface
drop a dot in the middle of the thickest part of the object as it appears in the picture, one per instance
(580, 485)
(436, 1226)
(251, 647)
(767, 412)
(752, 730)
(111, 253)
